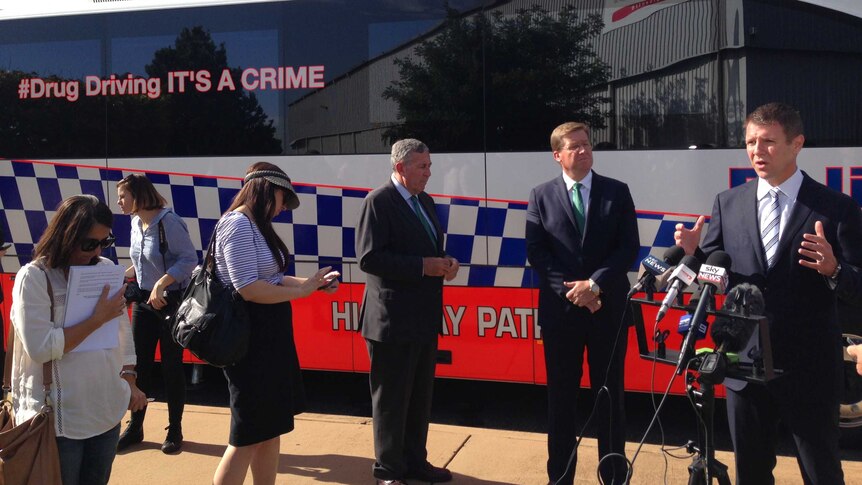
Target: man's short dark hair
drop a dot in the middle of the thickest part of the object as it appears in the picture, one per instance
(780, 113)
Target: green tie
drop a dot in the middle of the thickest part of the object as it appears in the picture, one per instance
(578, 205)
(414, 201)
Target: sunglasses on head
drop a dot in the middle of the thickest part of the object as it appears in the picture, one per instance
(88, 245)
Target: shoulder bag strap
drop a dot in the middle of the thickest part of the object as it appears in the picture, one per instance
(209, 259)
(163, 244)
(47, 377)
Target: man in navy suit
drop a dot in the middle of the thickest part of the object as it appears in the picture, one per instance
(803, 265)
(582, 239)
(399, 244)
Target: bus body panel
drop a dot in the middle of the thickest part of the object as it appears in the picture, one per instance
(96, 91)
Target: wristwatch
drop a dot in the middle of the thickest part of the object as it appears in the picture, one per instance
(834, 275)
(595, 288)
(128, 372)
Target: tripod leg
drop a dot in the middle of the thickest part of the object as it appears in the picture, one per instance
(697, 472)
(723, 478)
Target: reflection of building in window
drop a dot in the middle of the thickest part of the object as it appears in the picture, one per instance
(684, 75)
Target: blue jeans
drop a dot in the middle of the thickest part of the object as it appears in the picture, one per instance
(88, 461)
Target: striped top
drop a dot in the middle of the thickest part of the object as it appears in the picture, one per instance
(241, 254)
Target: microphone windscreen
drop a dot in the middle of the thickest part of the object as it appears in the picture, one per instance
(720, 259)
(733, 333)
(691, 263)
(673, 255)
(753, 302)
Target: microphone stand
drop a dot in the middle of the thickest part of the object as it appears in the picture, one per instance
(649, 287)
(704, 467)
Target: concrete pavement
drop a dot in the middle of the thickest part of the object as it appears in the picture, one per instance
(339, 449)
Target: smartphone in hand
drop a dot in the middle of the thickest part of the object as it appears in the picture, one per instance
(330, 278)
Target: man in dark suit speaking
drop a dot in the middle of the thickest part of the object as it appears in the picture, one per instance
(582, 239)
(801, 243)
(399, 244)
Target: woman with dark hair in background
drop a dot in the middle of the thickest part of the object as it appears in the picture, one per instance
(163, 258)
(92, 388)
(265, 386)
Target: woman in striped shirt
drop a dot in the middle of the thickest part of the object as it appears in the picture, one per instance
(265, 386)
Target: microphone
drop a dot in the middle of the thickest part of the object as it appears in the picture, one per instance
(713, 277)
(682, 276)
(732, 334)
(685, 325)
(655, 273)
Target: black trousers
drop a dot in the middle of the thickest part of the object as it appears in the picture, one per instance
(564, 359)
(149, 329)
(753, 416)
(402, 384)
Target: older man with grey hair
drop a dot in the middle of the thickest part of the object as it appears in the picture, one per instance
(399, 244)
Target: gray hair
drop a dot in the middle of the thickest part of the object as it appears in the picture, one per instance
(401, 149)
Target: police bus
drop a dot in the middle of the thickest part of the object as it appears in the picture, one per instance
(191, 93)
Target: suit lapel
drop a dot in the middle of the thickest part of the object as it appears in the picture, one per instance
(751, 221)
(596, 194)
(800, 213)
(424, 199)
(566, 203)
(403, 207)
(410, 215)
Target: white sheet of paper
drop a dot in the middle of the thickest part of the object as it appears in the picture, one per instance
(82, 293)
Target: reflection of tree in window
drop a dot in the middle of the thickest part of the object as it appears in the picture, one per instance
(671, 118)
(49, 128)
(192, 123)
(540, 70)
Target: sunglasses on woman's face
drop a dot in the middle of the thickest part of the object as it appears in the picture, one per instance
(88, 245)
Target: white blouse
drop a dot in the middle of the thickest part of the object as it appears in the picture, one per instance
(88, 394)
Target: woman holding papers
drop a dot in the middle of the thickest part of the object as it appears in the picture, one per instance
(163, 258)
(265, 386)
(91, 388)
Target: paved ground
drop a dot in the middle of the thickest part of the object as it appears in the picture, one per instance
(328, 448)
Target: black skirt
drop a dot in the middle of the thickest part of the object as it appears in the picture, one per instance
(266, 386)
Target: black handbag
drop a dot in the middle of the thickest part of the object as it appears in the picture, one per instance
(212, 320)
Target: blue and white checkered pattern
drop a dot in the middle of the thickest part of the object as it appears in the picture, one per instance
(486, 236)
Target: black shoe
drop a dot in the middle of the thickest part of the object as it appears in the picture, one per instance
(430, 473)
(174, 440)
(133, 435)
